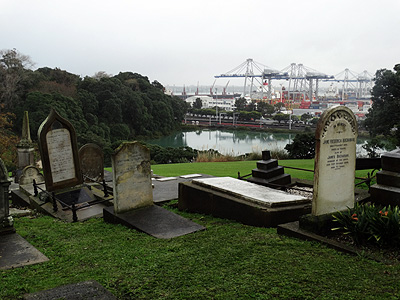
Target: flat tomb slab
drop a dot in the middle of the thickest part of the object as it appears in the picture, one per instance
(153, 220)
(82, 290)
(245, 202)
(251, 192)
(16, 252)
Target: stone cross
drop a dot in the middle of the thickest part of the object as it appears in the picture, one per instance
(131, 177)
(335, 158)
(59, 152)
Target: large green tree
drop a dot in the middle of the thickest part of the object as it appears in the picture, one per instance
(384, 116)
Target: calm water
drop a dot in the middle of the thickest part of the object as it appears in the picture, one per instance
(232, 142)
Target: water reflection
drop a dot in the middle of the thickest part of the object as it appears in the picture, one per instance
(234, 142)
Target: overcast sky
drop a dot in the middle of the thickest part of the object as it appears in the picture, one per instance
(184, 42)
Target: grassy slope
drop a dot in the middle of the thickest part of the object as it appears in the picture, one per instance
(226, 261)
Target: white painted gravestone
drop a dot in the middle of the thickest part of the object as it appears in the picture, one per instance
(131, 177)
(59, 153)
(335, 158)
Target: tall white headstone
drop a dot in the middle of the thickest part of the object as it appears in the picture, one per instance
(335, 159)
(131, 177)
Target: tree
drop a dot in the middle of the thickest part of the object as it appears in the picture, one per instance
(197, 104)
(14, 77)
(302, 147)
(384, 115)
(265, 108)
(240, 104)
(278, 106)
(281, 117)
(8, 141)
(305, 117)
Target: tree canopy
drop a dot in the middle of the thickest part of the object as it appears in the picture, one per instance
(384, 116)
(103, 109)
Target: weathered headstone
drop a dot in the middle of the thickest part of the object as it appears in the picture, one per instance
(59, 153)
(131, 177)
(29, 174)
(92, 162)
(6, 221)
(335, 157)
(25, 148)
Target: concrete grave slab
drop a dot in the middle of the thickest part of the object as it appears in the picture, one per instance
(164, 191)
(242, 201)
(16, 252)
(153, 220)
(78, 291)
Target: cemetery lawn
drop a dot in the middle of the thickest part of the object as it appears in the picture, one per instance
(228, 260)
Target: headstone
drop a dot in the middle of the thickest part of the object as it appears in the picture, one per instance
(59, 153)
(29, 174)
(131, 177)
(335, 157)
(91, 158)
(6, 222)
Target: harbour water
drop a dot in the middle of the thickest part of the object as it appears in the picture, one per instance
(234, 142)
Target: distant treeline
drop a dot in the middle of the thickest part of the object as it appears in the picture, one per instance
(103, 109)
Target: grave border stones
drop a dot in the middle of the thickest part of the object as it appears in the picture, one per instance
(52, 119)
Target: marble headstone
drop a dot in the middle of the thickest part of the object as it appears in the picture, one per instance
(29, 174)
(59, 153)
(91, 158)
(131, 177)
(335, 158)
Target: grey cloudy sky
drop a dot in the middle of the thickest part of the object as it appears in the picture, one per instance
(185, 42)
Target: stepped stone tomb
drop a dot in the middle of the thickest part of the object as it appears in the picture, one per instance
(386, 191)
(268, 172)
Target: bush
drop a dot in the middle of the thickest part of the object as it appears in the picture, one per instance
(370, 223)
(302, 147)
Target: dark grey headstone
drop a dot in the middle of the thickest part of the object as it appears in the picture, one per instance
(82, 290)
(153, 220)
(91, 158)
(15, 252)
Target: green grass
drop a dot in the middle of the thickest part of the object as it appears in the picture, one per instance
(228, 260)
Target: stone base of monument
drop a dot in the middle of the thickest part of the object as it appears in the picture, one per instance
(16, 252)
(386, 191)
(239, 200)
(153, 220)
(82, 290)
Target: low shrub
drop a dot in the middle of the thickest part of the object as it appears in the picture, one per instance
(370, 223)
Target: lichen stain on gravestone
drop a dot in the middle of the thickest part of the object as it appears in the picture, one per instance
(336, 138)
(131, 177)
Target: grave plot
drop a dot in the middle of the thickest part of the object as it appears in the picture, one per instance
(64, 194)
(334, 173)
(15, 251)
(243, 201)
(133, 196)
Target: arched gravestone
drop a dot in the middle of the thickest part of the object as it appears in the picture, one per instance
(30, 173)
(91, 158)
(335, 157)
(59, 152)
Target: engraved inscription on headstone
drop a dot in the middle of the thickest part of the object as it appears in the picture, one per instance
(92, 162)
(59, 153)
(131, 177)
(336, 138)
